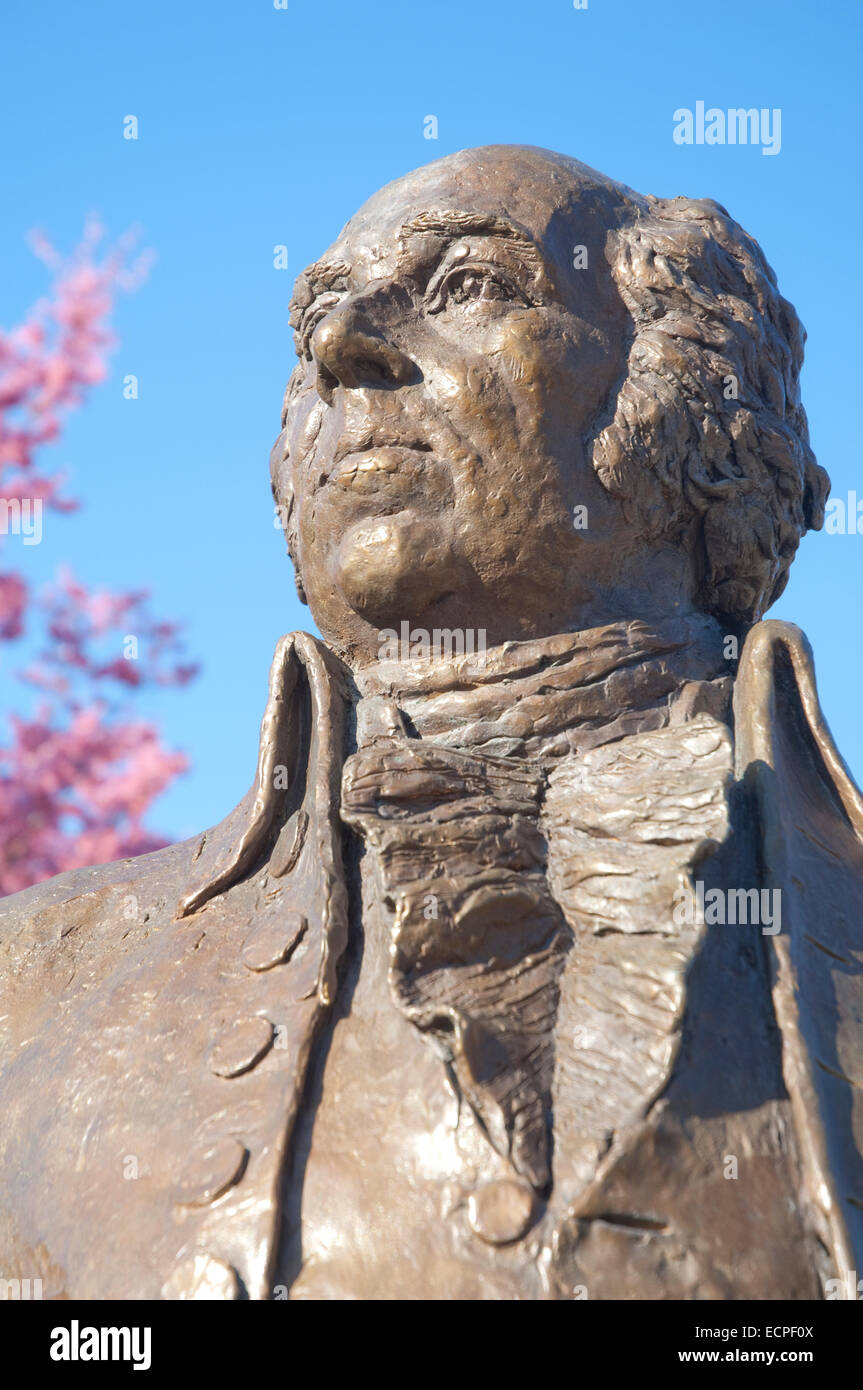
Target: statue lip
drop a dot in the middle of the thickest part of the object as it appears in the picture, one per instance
(363, 466)
(377, 439)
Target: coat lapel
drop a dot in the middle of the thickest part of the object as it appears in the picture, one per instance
(289, 822)
(292, 808)
(812, 822)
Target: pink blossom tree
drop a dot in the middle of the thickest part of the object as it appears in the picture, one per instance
(78, 774)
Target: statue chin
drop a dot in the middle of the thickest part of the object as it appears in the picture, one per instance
(394, 567)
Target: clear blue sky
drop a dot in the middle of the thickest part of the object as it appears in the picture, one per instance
(260, 127)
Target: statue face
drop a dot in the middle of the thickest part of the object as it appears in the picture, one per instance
(459, 342)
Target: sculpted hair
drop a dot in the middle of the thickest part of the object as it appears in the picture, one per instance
(709, 324)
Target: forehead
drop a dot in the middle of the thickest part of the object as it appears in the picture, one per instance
(515, 192)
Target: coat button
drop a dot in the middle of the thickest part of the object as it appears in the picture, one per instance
(203, 1276)
(241, 1046)
(212, 1170)
(273, 942)
(502, 1211)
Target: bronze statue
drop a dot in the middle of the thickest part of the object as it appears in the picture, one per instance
(529, 968)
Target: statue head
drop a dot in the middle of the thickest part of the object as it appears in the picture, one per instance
(530, 400)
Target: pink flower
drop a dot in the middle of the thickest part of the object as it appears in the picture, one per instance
(78, 776)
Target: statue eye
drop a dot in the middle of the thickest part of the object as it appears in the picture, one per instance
(467, 284)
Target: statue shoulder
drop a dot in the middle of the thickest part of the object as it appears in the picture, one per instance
(44, 915)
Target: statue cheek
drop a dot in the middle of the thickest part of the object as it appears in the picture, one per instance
(450, 384)
(304, 424)
(308, 535)
(529, 357)
(512, 351)
(468, 394)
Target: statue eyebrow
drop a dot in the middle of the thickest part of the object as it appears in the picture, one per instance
(316, 279)
(322, 276)
(454, 224)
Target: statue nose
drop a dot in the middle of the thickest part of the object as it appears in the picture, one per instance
(349, 353)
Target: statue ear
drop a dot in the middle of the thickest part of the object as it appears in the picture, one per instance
(811, 833)
(283, 496)
(280, 479)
